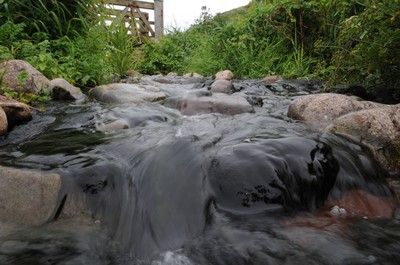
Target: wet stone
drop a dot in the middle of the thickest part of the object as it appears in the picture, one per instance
(126, 93)
(28, 198)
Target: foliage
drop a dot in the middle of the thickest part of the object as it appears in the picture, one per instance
(121, 47)
(355, 42)
(342, 41)
(370, 46)
(85, 52)
(165, 55)
(265, 40)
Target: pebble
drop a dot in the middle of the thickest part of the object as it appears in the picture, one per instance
(338, 211)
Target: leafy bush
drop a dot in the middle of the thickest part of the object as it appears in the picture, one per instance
(171, 54)
(370, 46)
(84, 52)
(267, 39)
(352, 42)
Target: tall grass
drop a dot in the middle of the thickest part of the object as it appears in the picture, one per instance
(55, 18)
(350, 41)
(65, 39)
(121, 46)
(265, 40)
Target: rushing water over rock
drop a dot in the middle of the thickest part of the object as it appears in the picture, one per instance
(144, 184)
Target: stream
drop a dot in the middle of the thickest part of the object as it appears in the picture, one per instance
(250, 188)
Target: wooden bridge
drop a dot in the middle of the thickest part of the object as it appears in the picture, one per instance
(136, 14)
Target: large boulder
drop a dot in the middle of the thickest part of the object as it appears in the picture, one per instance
(222, 86)
(224, 75)
(3, 122)
(16, 112)
(13, 71)
(126, 93)
(215, 103)
(320, 110)
(378, 128)
(28, 198)
(62, 90)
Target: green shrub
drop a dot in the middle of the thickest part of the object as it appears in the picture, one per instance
(169, 54)
(270, 38)
(370, 46)
(82, 59)
(354, 42)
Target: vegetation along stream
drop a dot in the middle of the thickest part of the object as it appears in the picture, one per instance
(251, 188)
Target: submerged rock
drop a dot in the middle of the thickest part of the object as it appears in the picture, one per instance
(34, 81)
(319, 110)
(253, 178)
(358, 203)
(216, 103)
(28, 198)
(126, 93)
(298, 174)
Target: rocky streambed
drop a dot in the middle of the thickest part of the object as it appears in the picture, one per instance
(187, 170)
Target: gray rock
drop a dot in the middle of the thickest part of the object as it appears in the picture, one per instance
(62, 90)
(320, 110)
(34, 82)
(222, 86)
(3, 122)
(378, 128)
(225, 75)
(126, 93)
(216, 103)
(27, 198)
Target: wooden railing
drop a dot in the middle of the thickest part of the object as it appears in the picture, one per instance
(139, 21)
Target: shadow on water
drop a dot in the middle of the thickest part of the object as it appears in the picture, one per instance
(207, 189)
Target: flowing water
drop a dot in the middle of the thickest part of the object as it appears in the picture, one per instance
(254, 188)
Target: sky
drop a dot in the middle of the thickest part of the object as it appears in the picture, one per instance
(182, 13)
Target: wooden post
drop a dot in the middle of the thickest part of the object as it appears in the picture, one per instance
(159, 18)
